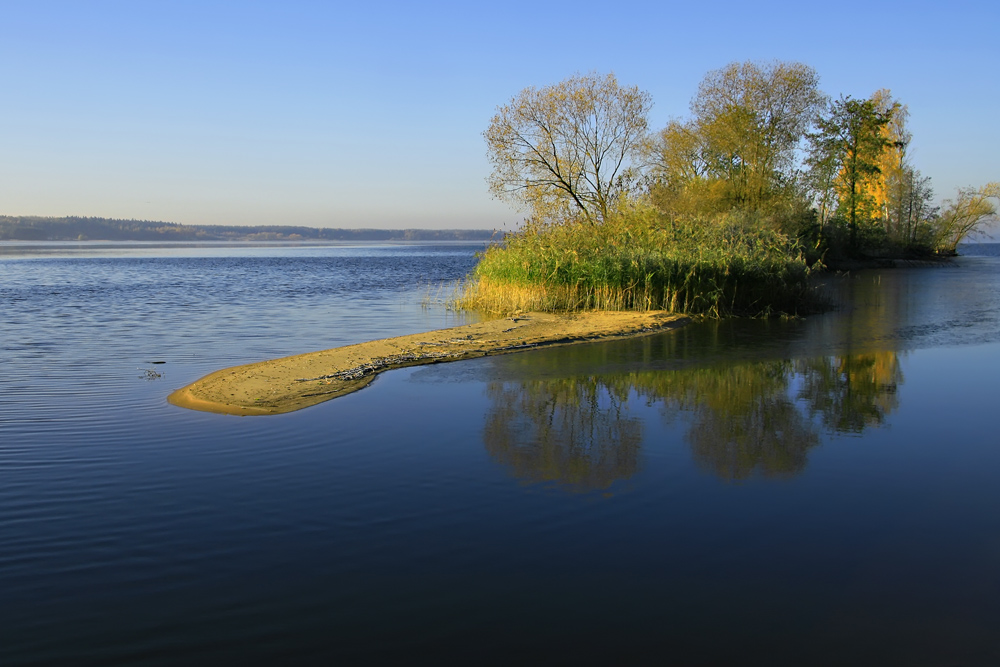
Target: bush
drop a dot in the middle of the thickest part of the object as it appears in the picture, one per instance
(642, 260)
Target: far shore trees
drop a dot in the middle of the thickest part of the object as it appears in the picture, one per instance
(568, 149)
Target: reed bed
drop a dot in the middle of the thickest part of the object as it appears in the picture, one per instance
(638, 261)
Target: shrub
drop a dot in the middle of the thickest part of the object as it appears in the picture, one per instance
(641, 260)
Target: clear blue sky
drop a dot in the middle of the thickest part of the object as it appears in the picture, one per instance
(338, 114)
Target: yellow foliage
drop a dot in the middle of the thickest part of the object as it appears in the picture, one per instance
(875, 189)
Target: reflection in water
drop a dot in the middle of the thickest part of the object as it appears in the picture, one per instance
(852, 392)
(743, 419)
(574, 431)
(759, 417)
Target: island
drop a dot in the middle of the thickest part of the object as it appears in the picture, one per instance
(727, 214)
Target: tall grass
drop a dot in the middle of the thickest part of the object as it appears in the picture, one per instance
(641, 261)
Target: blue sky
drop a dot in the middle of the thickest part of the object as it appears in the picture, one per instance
(341, 115)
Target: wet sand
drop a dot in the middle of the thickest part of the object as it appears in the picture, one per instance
(292, 383)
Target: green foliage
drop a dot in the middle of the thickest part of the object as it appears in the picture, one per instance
(738, 151)
(751, 118)
(642, 260)
(849, 142)
(971, 211)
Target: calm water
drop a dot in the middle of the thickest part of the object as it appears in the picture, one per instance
(820, 491)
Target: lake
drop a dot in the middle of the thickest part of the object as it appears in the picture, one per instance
(822, 490)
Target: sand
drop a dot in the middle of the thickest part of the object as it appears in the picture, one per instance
(292, 383)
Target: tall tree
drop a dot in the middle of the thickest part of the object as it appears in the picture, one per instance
(884, 186)
(900, 195)
(850, 141)
(908, 206)
(752, 117)
(569, 149)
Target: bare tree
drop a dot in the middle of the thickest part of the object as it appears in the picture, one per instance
(569, 149)
(968, 214)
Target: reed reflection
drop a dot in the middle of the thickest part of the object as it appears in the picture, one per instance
(743, 419)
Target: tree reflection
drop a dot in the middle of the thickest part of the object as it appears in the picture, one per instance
(852, 392)
(571, 431)
(745, 419)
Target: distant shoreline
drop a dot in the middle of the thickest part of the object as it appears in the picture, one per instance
(229, 244)
(74, 228)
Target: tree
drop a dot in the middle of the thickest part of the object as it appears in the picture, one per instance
(682, 182)
(678, 155)
(970, 211)
(900, 195)
(751, 118)
(909, 204)
(568, 149)
(850, 141)
(886, 187)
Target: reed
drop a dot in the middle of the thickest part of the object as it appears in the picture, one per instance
(640, 261)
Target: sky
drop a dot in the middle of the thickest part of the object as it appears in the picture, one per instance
(341, 114)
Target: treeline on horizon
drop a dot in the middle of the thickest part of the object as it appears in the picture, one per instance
(724, 212)
(74, 228)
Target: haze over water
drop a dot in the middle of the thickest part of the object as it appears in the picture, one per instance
(818, 491)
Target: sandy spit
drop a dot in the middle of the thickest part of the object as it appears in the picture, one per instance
(292, 383)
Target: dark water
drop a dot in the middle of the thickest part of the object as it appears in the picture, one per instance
(820, 491)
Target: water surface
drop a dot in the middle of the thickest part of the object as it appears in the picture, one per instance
(816, 491)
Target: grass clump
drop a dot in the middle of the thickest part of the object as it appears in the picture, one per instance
(641, 260)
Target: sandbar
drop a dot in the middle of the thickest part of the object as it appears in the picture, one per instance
(292, 383)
